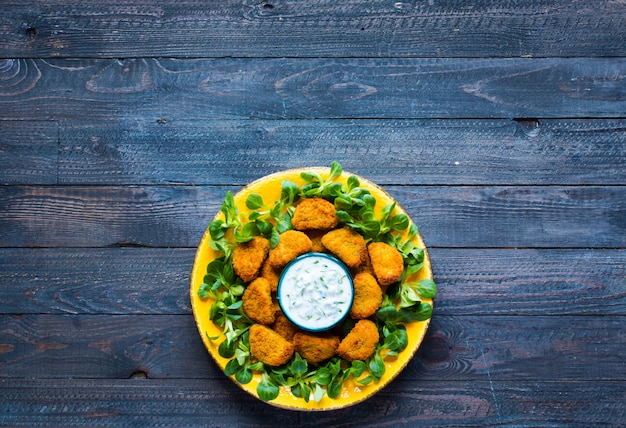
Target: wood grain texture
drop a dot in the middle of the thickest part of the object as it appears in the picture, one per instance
(28, 152)
(96, 281)
(177, 216)
(155, 281)
(149, 88)
(102, 346)
(409, 152)
(533, 281)
(96, 217)
(498, 125)
(133, 402)
(468, 348)
(521, 404)
(325, 28)
(528, 347)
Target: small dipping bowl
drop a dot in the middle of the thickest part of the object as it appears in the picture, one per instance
(315, 291)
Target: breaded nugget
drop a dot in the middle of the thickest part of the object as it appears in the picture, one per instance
(316, 240)
(292, 244)
(284, 327)
(257, 302)
(387, 262)
(315, 348)
(272, 275)
(315, 213)
(365, 267)
(348, 245)
(268, 346)
(368, 296)
(360, 343)
(249, 256)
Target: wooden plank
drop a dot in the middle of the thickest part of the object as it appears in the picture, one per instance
(523, 347)
(435, 151)
(121, 216)
(534, 282)
(156, 281)
(103, 346)
(519, 404)
(124, 90)
(28, 152)
(122, 403)
(177, 216)
(468, 348)
(134, 402)
(278, 28)
(495, 216)
(90, 281)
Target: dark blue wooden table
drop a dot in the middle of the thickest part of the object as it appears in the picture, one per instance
(499, 126)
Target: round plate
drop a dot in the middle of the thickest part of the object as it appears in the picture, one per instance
(269, 187)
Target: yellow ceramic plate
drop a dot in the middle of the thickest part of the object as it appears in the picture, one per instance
(269, 187)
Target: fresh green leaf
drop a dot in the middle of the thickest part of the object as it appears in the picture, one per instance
(399, 222)
(323, 375)
(204, 290)
(232, 367)
(396, 340)
(244, 375)
(298, 366)
(333, 190)
(247, 232)
(334, 388)
(227, 349)
(289, 193)
(267, 388)
(254, 201)
(296, 390)
(426, 288)
(335, 170)
(392, 315)
(423, 312)
(318, 393)
(369, 201)
(357, 368)
(264, 227)
(235, 305)
(306, 392)
(344, 217)
(274, 239)
(216, 229)
(366, 380)
(343, 202)
(387, 209)
(377, 366)
(353, 183)
(311, 177)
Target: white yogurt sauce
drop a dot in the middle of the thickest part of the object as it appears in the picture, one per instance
(315, 291)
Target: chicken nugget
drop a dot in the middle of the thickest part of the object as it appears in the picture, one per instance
(315, 348)
(348, 245)
(368, 296)
(360, 343)
(316, 240)
(284, 327)
(315, 213)
(257, 302)
(387, 262)
(272, 275)
(249, 256)
(291, 245)
(268, 346)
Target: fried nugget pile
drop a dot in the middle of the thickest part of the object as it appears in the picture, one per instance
(273, 338)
